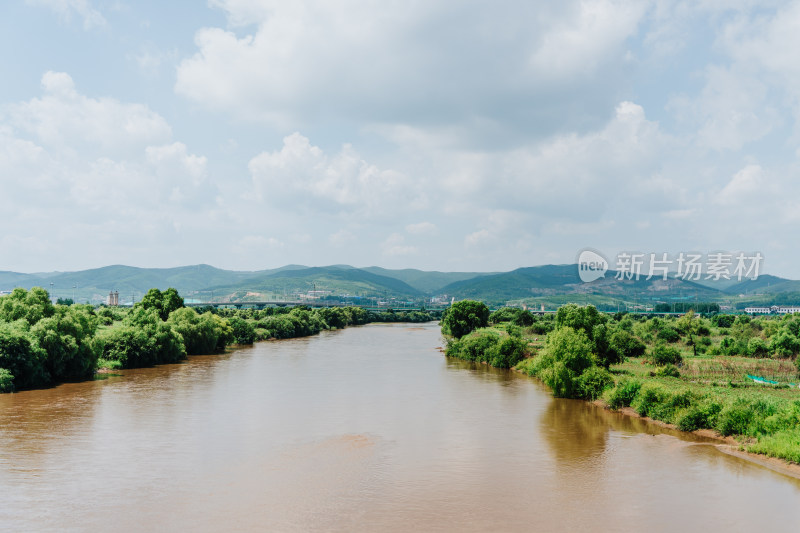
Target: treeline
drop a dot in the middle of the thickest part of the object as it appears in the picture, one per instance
(685, 307)
(42, 344)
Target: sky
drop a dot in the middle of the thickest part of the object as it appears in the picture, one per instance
(440, 135)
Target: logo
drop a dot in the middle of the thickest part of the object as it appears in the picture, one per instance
(591, 266)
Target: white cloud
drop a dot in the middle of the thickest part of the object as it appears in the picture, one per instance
(96, 171)
(341, 238)
(516, 67)
(395, 245)
(731, 110)
(421, 228)
(302, 175)
(477, 238)
(64, 119)
(582, 42)
(66, 9)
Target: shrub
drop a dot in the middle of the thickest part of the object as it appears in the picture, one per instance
(668, 334)
(665, 355)
(785, 344)
(541, 328)
(650, 399)
(668, 370)
(244, 332)
(508, 352)
(623, 394)
(757, 348)
(21, 356)
(626, 344)
(202, 334)
(567, 353)
(514, 331)
(477, 346)
(593, 382)
(723, 321)
(735, 418)
(143, 345)
(701, 415)
(6, 381)
(605, 352)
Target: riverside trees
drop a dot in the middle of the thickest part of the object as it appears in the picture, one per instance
(42, 344)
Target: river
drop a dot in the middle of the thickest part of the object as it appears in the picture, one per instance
(363, 429)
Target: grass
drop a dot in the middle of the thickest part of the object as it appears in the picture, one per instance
(108, 364)
(713, 392)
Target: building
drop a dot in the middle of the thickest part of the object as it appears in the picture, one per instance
(774, 310)
(113, 298)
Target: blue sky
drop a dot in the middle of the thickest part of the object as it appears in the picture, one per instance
(444, 135)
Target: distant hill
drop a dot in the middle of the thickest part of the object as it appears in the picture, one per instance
(15, 279)
(540, 284)
(131, 282)
(551, 280)
(429, 282)
(338, 279)
(764, 284)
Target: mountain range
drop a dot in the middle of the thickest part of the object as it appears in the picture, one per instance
(551, 284)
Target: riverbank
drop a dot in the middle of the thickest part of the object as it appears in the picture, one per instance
(689, 373)
(43, 344)
(726, 444)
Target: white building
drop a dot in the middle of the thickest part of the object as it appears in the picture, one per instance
(758, 310)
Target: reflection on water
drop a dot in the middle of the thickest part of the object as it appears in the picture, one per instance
(575, 431)
(367, 428)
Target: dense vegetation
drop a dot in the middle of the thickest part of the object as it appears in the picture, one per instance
(42, 344)
(689, 371)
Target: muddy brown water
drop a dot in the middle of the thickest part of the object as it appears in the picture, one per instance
(364, 429)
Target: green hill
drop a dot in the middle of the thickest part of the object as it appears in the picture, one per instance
(336, 280)
(764, 284)
(552, 280)
(426, 281)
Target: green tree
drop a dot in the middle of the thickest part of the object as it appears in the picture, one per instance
(162, 302)
(464, 317)
(21, 356)
(566, 355)
(202, 334)
(32, 305)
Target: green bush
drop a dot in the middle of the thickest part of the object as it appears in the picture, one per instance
(626, 344)
(593, 382)
(734, 419)
(508, 352)
(756, 347)
(142, 340)
(665, 355)
(567, 353)
(21, 356)
(650, 399)
(6, 381)
(701, 415)
(624, 393)
(243, 331)
(668, 334)
(785, 344)
(669, 371)
(202, 334)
